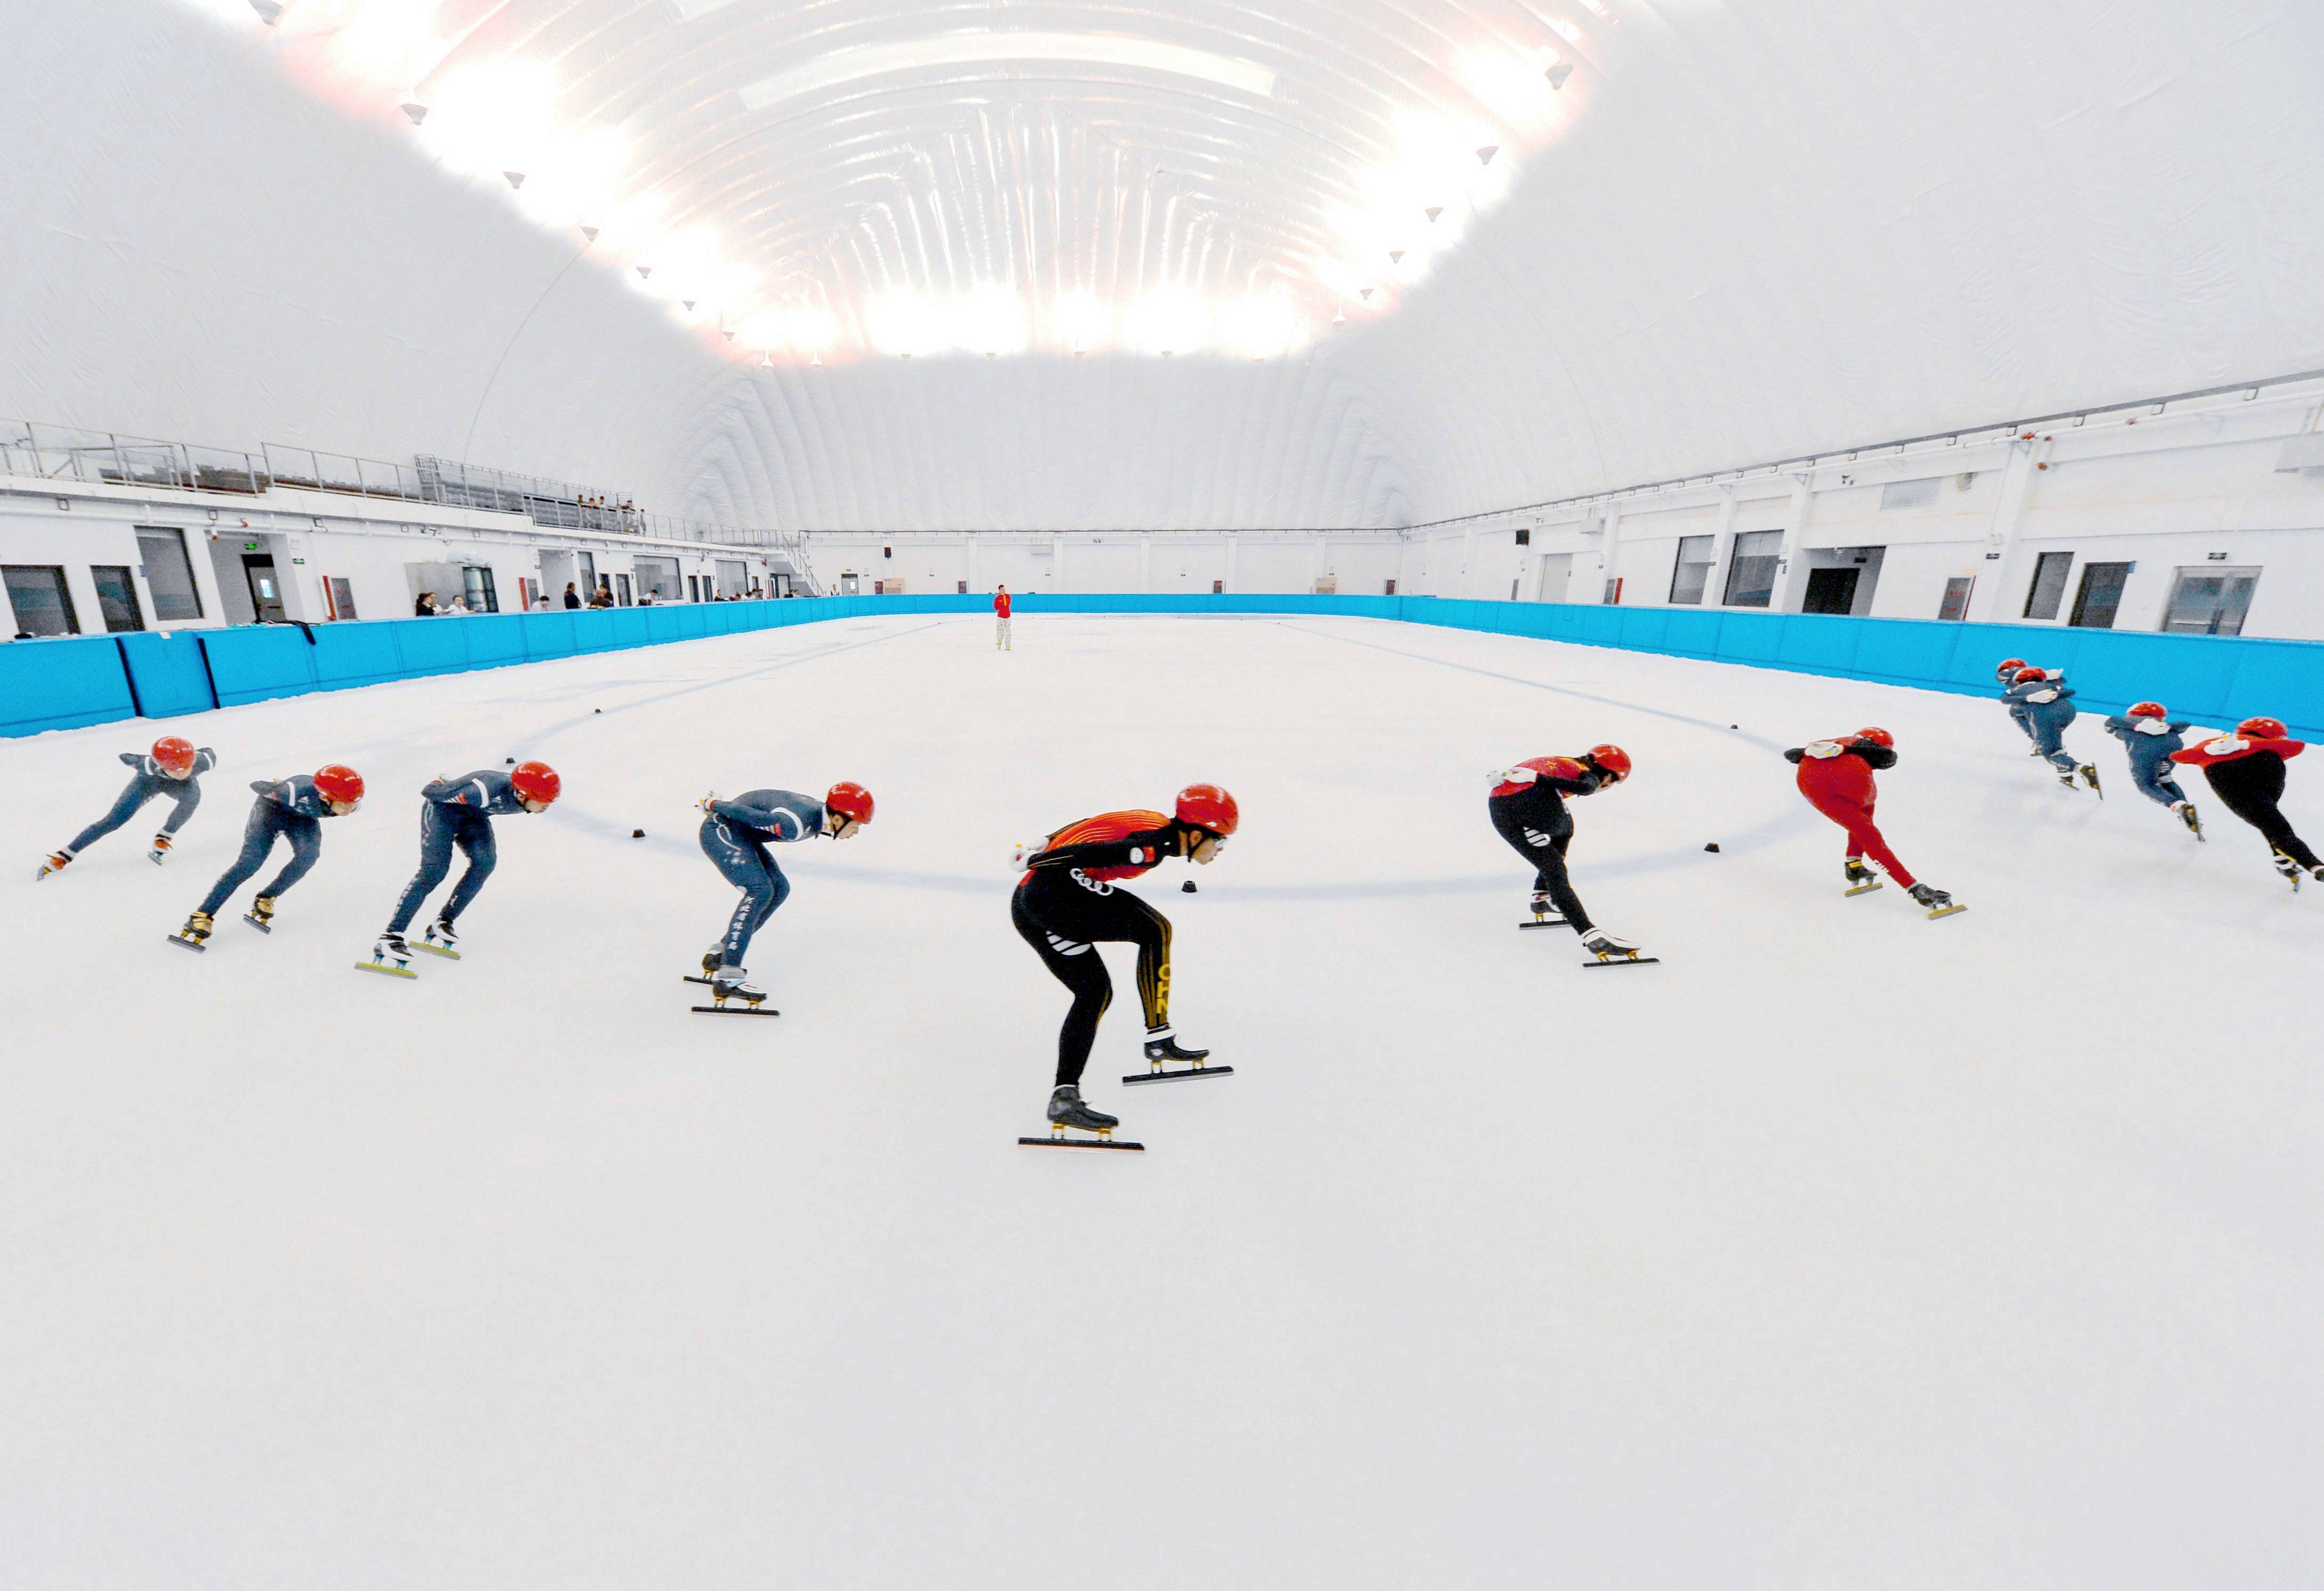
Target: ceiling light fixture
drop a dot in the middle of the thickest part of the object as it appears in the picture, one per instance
(644, 273)
(1558, 72)
(269, 10)
(1395, 256)
(1433, 212)
(1485, 155)
(689, 305)
(589, 234)
(516, 178)
(416, 111)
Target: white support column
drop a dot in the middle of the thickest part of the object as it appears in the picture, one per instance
(1234, 545)
(1058, 563)
(1609, 556)
(1722, 548)
(1792, 574)
(1319, 556)
(975, 541)
(1146, 562)
(1998, 570)
(1463, 581)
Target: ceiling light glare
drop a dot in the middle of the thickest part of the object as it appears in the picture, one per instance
(800, 332)
(1169, 320)
(1598, 9)
(574, 174)
(904, 324)
(384, 41)
(1258, 326)
(487, 119)
(992, 320)
(1005, 54)
(1509, 86)
(1080, 321)
(1565, 30)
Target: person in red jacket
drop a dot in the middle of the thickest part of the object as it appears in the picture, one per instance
(1001, 617)
(1528, 808)
(1836, 777)
(2246, 770)
(1070, 901)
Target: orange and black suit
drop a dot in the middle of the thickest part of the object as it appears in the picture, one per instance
(1069, 902)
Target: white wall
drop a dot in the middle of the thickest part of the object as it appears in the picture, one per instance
(1276, 561)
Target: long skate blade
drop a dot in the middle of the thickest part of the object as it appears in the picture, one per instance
(383, 967)
(690, 978)
(1078, 1143)
(1548, 923)
(737, 1011)
(1860, 889)
(1183, 1072)
(1947, 911)
(182, 942)
(1625, 962)
(255, 922)
(434, 950)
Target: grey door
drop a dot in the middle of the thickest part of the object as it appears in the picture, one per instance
(265, 592)
(1831, 590)
(2100, 595)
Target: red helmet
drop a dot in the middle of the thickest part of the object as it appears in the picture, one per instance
(1608, 759)
(850, 800)
(2262, 728)
(1879, 737)
(2147, 709)
(2027, 676)
(338, 784)
(174, 756)
(535, 781)
(2009, 667)
(1206, 807)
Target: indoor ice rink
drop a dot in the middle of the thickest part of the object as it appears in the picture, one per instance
(1393, 416)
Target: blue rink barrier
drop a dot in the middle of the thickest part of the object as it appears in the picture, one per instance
(69, 682)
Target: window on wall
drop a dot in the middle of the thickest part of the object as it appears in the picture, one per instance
(117, 598)
(169, 574)
(42, 605)
(621, 591)
(660, 577)
(1955, 605)
(1692, 574)
(2096, 603)
(2210, 601)
(694, 588)
(732, 576)
(477, 582)
(1751, 572)
(2049, 587)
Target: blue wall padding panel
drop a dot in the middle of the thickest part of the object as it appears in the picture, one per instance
(67, 682)
(258, 662)
(167, 672)
(62, 682)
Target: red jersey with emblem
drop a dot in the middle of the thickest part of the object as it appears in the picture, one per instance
(2231, 748)
(1000, 604)
(1547, 767)
(1111, 828)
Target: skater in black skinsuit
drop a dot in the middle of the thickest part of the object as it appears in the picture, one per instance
(1070, 901)
(1527, 806)
(2246, 771)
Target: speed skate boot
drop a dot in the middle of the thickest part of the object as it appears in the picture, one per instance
(1608, 949)
(440, 939)
(2186, 811)
(2288, 868)
(161, 851)
(1162, 1045)
(2091, 776)
(1066, 1110)
(1937, 902)
(389, 956)
(727, 983)
(195, 935)
(54, 864)
(1545, 914)
(1861, 880)
(261, 915)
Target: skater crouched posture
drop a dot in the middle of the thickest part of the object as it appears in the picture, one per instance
(459, 813)
(171, 768)
(2045, 706)
(1527, 806)
(734, 836)
(292, 808)
(1836, 777)
(2151, 736)
(1069, 902)
(2246, 770)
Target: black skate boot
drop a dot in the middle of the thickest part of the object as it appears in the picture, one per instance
(2091, 776)
(1068, 1112)
(1544, 914)
(1939, 904)
(439, 940)
(1861, 880)
(1162, 1050)
(727, 983)
(161, 851)
(389, 956)
(195, 935)
(2186, 811)
(261, 915)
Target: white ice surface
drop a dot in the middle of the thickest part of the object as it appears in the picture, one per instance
(1844, 1249)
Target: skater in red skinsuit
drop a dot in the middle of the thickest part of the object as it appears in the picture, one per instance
(1000, 619)
(1836, 777)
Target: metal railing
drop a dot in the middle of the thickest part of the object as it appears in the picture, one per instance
(68, 452)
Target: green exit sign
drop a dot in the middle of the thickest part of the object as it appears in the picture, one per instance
(250, 547)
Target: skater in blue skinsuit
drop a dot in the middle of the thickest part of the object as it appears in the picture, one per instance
(2151, 735)
(458, 814)
(290, 809)
(174, 768)
(2048, 705)
(735, 835)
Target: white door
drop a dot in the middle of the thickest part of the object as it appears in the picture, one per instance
(1556, 569)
